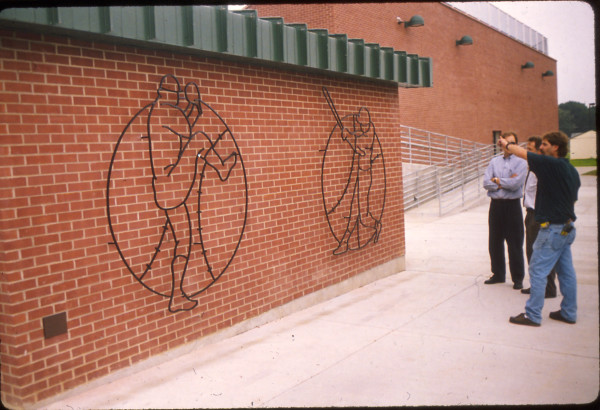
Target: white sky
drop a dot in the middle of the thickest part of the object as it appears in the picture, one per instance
(569, 28)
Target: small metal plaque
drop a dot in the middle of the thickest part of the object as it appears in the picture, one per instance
(55, 325)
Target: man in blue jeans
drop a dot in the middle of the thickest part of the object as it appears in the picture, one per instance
(558, 184)
(532, 227)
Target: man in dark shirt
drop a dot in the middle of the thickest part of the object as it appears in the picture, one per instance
(532, 227)
(558, 184)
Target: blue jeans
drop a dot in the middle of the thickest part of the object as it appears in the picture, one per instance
(551, 249)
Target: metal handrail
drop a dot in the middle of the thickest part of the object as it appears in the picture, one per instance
(438, 166)
(492, 16)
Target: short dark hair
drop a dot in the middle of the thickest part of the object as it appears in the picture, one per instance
(536, 140)
(559, 139)
(508, 134)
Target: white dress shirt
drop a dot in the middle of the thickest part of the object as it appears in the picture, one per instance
(530, 191)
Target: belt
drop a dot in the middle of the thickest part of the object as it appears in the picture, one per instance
(548, 223)
(567, 226)
(530, 209)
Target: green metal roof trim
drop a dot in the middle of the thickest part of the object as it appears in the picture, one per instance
(215, 29)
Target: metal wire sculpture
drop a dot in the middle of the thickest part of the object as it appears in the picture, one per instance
(149, 186)
(353, 199)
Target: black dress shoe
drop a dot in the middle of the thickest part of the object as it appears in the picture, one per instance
(548, 295)
(558, 316)
(493, 280)
(522, 320)
(518, 286)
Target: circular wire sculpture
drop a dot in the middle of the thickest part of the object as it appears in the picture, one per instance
(353, 180)
(177, 158)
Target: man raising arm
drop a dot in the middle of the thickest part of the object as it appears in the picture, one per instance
(558, 184)
(532, 227)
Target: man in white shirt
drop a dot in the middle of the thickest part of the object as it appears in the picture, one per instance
(531, 226)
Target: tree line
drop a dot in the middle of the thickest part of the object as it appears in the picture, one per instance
(576, 118)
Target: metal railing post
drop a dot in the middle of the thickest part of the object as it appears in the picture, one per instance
(446, 147)
(439, 191)
(462, 176)
(429, 145)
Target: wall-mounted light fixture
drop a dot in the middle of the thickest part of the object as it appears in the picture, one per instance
(464, 41)
(528, 64)
(415, 21)
(548, 73)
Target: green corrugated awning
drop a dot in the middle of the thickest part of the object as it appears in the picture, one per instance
(219, 32)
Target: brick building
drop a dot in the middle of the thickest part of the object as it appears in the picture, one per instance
(104, 265)
(477, 89)
(140, 213)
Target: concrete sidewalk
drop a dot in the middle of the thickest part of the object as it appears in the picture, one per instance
(431, 335)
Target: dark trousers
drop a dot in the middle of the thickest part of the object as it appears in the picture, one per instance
(506, 224)
(531, 232)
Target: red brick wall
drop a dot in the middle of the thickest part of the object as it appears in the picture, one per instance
(476, 89)
(313, 15)
(64, 103)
